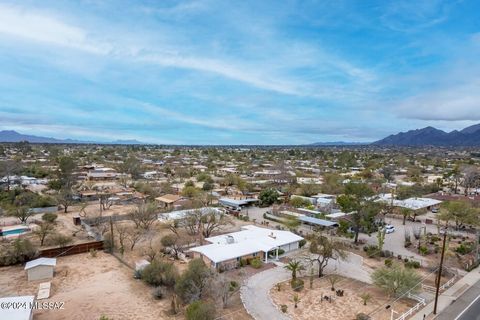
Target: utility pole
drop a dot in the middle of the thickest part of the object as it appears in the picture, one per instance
(440, 272)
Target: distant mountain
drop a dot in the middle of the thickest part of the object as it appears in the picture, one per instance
(336, 143)
(431, 136)
(13, 136)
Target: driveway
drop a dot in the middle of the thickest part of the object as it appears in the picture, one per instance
(255, 291)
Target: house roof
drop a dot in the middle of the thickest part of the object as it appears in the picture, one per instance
(169, 198)
(413, 203)
(318, 222)
(41, 262)
(250, 240)
(21, 313)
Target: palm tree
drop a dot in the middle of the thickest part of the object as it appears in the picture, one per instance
(294, 266)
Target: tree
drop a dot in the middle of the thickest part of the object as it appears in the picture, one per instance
(292, 223)
(388, 173)
(208, 185)
(131, 166)
(49, 217)
(172, 242)
(21, 212)
(43, 230)
(7, 169)
(66, 165)
(309, 189)
(396, 280)
(144, 215)
(190, 191)
(200, 310)
(17, 251)
(65, 198)
(298, 202)
(333, 279)
(213, 221)
(406, 212)
(268, 197)
(295, 267)
(194, 283)
(358, 199)
(461, 212)
(323, 249)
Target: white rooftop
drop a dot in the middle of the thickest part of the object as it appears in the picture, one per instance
(250, 240)
(41, 262)
(413, 203)
(21, 313)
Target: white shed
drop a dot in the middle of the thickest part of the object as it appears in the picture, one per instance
(22, 312)
(41, 268)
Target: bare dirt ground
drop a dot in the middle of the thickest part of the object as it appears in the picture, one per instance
(89, 287)
(311, 305)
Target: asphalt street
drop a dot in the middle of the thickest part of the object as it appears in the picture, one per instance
(466, 307)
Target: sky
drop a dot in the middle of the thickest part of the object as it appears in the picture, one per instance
(238, 72)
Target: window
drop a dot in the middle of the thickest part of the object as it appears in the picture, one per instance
(255, 254)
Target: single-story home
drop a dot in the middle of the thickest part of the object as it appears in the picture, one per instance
(24, 311)
(237, 203)
(225, 251)
(168, 201)
(41, 268)
(182, 214)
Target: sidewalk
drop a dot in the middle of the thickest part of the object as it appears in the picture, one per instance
(450, 295)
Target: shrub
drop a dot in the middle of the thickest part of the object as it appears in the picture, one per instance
(256, 263)
(423, 250)
(412, 264)
(200, 310)
(160, 273)
(464, 248)
(158, 293)
(284, 308)
(17, 251)
(61, 240)
(362, 316)
(243, 262)
(302, 243)
(297, 284)
(49, 217)
(93, 253)
(371, 250)
(388, 262)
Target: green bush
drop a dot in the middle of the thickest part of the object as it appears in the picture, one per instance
(464, 248)
(412, 264)
(160, 273)
(200, 310)
(371, 250)
(388, 262)
(17, 251)
(297, 284)
(256, 263)
(284, 308)
(302, 243)
(243, 262)
(423, 250)
(49, 217)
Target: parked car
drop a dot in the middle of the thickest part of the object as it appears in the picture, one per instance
(435, 210)
(389, 228)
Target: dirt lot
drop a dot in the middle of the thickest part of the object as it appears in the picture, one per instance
(90, 287)
(311, 305)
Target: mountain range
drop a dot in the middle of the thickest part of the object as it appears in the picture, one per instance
(431, 136)
(13, 136)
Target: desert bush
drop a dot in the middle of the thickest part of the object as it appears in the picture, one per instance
(60, 240)
(17, 251)
(158, 293)
(200, 310)
(464, 248)
(256, 263)
(284, 308)
(297, 284)
(412, 264)
(423, 250)
(388, 262)
(93, 253)
(49, 217)
(302, 243)
(362, 316)
(159, 273)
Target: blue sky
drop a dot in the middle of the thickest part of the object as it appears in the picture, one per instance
(238, 72)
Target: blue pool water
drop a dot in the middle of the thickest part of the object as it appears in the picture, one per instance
(14, 231)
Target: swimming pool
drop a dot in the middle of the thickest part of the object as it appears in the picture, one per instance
(14, 231)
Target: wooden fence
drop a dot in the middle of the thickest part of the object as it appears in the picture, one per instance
(73, 249)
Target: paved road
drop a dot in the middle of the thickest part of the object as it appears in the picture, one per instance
(466, 307)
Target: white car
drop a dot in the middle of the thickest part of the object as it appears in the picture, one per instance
(389, 228)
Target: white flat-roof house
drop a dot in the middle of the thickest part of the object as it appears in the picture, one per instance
(225, 251)
(41, 268)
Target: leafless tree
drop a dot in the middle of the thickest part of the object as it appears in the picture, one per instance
(144, 215)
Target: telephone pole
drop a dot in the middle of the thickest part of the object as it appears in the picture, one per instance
(440, 272)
